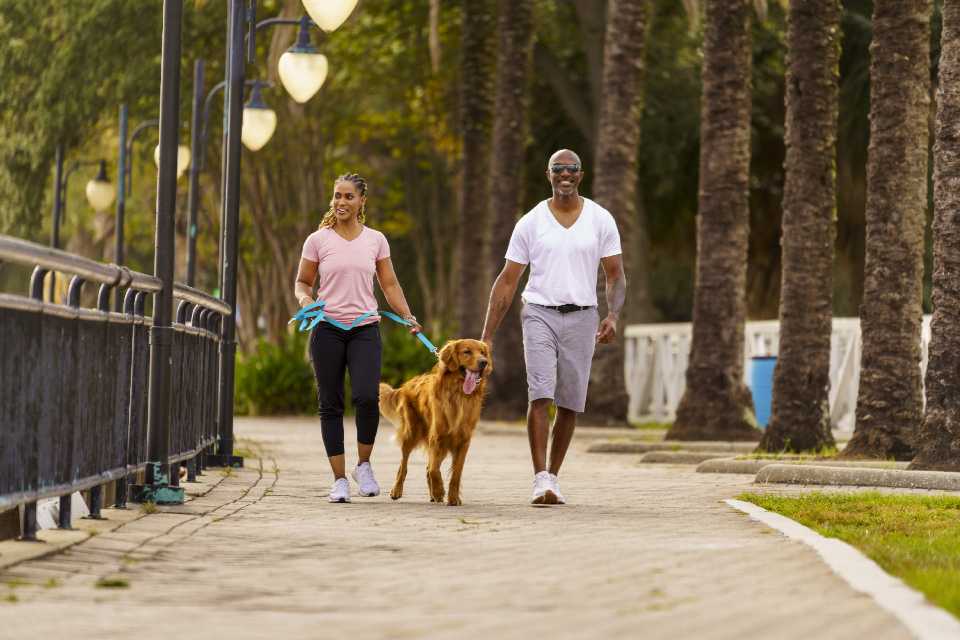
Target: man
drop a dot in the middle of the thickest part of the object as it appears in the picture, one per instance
(564, 240)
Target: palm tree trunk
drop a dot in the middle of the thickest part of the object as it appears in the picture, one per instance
(615, 184)
(716, 405)
(938, 444)
(476, 107)
(890, 397)
(515, 31)
(801, 408)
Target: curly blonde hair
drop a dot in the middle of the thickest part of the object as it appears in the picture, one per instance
(330, 218)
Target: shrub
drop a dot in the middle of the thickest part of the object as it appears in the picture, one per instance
(276, 379)
(404, 356)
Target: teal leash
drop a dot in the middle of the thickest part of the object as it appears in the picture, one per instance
(312, 315)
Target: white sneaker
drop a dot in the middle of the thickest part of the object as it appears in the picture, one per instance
(543, 492)
(340, 491)
(363, 476)
(556, 489)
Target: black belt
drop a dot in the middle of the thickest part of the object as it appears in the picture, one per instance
(564, 308)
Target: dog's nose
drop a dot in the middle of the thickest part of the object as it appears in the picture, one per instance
(482, 364)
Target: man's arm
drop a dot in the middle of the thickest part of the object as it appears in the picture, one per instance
(616, 290)
(501, 296)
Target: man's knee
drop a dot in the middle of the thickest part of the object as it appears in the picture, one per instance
(541, 404)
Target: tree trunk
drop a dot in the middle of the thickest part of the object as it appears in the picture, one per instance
(938, 443)
(890, 397)
(515, 30)
(615, 186)
(801, 407)
(716, 405)
(476, 115)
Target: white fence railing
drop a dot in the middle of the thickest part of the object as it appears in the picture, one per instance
(656, 362)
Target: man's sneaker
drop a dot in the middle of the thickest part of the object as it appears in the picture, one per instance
(363, 475)
(340, 491)
(556, 489)
(543, 492)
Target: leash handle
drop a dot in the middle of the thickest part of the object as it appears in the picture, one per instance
(422, 338)
(312, 315)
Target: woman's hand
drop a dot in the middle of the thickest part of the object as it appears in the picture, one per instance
(415, 326)
(304, 301)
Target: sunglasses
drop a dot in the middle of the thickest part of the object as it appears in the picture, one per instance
(560, 168)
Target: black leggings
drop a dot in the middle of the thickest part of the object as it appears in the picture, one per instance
(333, 351)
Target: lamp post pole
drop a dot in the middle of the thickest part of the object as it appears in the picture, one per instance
(57, 212)
(119, 255)
(230, 217)
(193, 196)
(157, 485)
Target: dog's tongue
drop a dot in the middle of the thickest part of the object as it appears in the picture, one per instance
(470, 382)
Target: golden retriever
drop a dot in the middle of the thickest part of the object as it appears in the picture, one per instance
(440, 410)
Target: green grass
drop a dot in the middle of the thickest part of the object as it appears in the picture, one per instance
(657, 426)
(916, 538)
(112, 582)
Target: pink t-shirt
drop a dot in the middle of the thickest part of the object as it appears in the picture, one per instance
(346, 270)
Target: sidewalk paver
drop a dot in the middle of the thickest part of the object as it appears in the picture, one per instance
(640, 551)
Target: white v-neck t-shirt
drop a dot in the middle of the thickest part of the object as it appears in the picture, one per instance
(563, 261)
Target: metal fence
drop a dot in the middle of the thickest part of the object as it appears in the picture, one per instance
(74, 382)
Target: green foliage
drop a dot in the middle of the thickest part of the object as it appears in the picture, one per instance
(279, 380)
(916, 538)
(404, 356)
(276, 379)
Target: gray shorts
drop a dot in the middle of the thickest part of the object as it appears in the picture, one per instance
(558, 350)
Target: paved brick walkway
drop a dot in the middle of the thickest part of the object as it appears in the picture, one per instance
(641, 551)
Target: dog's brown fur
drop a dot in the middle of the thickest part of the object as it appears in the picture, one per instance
(433, 410)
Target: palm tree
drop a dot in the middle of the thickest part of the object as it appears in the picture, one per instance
(938, 444)
(515, 36)
(801, 412)
(476, 111)
(890, 397)
(716, 403)
(615, 182)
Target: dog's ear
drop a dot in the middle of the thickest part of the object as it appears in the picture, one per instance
(448, 356)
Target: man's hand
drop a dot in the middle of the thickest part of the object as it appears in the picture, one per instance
(608, 330)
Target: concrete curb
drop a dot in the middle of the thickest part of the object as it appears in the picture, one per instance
(752, 466)
(672, 445)
(679, 457)
(860, 477)
(909, 606)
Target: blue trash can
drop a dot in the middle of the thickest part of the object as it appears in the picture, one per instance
(761, 386)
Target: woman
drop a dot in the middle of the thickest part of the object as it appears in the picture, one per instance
(347, 254)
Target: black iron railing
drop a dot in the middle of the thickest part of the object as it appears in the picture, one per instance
(74, 382)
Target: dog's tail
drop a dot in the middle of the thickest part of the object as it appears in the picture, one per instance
(389, 403)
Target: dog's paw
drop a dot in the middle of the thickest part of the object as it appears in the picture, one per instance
(396, 494)
(454, 501)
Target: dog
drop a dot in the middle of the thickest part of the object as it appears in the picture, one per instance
(440, 410)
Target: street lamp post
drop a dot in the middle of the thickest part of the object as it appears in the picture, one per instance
(193, 193)
(329, 14)
(157, 487)
(125, 179)
(99, 191)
